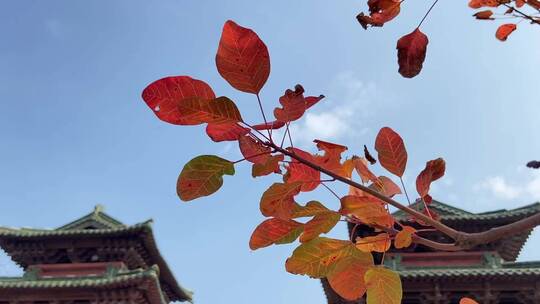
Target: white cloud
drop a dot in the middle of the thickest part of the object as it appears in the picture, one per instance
(342, 114)
(500, 188)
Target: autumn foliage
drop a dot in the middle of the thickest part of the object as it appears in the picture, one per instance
(412, 47)
(243, 60)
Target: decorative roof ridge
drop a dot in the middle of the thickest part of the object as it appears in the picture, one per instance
(97, 215)
(25, 232)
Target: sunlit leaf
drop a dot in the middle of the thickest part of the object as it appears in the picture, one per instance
(483, 3)
(318, 257)
(298, 172)
(331, 160)
(202, 176)
(278, 200)
(242, 58)
(312, 208)
(383, 286)
(385, 186)
(253, 150)
(505, 30)
(163, 97)
(391, 151)
(294, 104)
(378, 243)
(360, 164)
(275, 231)
(221, 110)
(271, 165)
(347, 277)
(321, 223)
(404, 237)
(411, 53)
(225, 131)
(367, 209)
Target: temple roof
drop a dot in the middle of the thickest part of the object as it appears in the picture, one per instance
(450, 213)
(112, 279)
(512, 269)
(509, 247)
(98, 224)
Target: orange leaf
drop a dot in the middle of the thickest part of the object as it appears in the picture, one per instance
(321, 223)
(253, 150)
(404, 237)
(505, 30)
(319, 257)
(411, 53)
(270, 166)
(391, 149)
(385, 186)
(348, 167)
(275, 231)
(221, 110)
(368, 209)
(381, 11)
(331, 160)
(202, 176)
(298, 172)
(434, 170)
(242, 58)
(484, 15)
(360, 164)
(378, 243)
(225, 131)
(278, 200)
(483, 3)
(164, 95)
(467, 301)
(347, 277)
(383, 286)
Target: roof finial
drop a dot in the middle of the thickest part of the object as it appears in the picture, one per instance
(98, 209)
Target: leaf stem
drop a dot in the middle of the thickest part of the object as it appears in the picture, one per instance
(405, 190)
(264, 116)
(427, 13)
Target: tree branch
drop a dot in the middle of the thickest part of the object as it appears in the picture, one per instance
(463, 240)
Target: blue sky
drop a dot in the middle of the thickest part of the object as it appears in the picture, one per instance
(74, 131)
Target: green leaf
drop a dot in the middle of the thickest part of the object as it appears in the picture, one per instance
(202, 176)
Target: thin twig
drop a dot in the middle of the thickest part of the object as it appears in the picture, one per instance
(427, 13)
(264, 116)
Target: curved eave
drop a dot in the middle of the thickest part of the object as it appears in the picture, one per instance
(142, 229)
(460, 274)
(149, 278)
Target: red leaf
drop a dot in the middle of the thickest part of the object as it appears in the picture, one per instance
(520, 3)
(219, 110)
(433, 171)
(254, 151)
(483, 3)
(505, 30)
(360, 164)
(331, 160)
(225, 131)
(484, 15)
(411, 53)
(298, 172)
(391, 149)
(294, 104)
(273, 125)
(275, 231)
(242, 58)
(386, 186)
(381, 11)
(164, 96)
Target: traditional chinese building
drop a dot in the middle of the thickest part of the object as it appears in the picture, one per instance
(95, 259)
(488, 273)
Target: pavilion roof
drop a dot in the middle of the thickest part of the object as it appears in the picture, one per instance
(98, 224)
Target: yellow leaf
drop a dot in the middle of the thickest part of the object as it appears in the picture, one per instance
(275, 231)
(321, 223)
(383, 286)
(378, 243)
(278, 200)
(318, 257)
